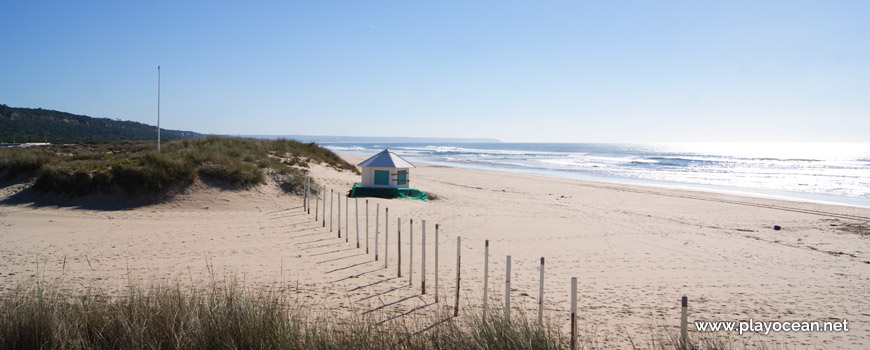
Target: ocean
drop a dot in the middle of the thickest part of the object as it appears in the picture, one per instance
(820, 172)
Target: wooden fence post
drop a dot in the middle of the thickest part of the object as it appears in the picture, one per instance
(573, 313)
(684, 323)
(317, 208)
(339, 214)
(423, 258)
(331, 200)
(386, 236)
(356, 206)
(323, 217)
(485, 276)
(347, 218)
(458, 265)
(507, 290)
(541, 298)
(377, 229)
(436, 263)
(367, 226)
(399, 253)
(411, 257)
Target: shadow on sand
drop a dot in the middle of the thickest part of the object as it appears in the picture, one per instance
(28, 197)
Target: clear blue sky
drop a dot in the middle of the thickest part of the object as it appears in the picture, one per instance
(539, 71)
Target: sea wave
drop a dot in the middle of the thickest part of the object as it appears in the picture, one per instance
(477, 151)
(346, 148)
(789, 159)
(842, 171)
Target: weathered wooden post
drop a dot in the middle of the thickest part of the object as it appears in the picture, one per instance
(399, 253)
(485, 276)
(386, 236)
(411, 257)
(339, 214)
(458, 262)
(507, 290)
(356, 206)
(323, 217)
(436, 263)
(423, 258)
(573, 313)
(377, 229)
(317, 208)
(305, 194)
(541, 297)
(367, 226)
(347, 218)
(684, 323)
(331, 200)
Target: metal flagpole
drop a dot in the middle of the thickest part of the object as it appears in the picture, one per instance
(158, 109)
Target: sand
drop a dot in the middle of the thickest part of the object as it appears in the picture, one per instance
(634, 249)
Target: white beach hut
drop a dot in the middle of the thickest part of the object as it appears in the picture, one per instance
(385, 170)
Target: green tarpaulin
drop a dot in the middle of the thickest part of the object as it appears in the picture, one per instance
(359, 191)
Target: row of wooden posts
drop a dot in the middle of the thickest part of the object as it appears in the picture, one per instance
(507, 301)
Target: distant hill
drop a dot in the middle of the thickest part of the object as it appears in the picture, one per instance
(32, 125)
(373, 139)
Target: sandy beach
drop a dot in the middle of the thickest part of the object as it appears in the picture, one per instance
(634, 249)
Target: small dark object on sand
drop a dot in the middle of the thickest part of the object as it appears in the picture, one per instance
(776, 228)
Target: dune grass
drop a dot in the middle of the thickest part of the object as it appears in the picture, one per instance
(136, 168)
(229, 316)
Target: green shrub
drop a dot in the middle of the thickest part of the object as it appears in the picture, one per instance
(52, 180)
(136, 167)
(290, 180)
(235, 174)
(155, 175)
(23, 162)
(72, 183)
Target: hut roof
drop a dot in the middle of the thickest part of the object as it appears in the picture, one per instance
(386, 159)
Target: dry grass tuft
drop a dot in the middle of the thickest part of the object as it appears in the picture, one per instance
(229, 316)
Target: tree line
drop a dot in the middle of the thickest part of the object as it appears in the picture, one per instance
(20, 125)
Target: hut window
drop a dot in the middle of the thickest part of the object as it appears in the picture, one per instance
(402, 177)
(382, 177)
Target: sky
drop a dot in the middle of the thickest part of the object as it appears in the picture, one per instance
(518, 71)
